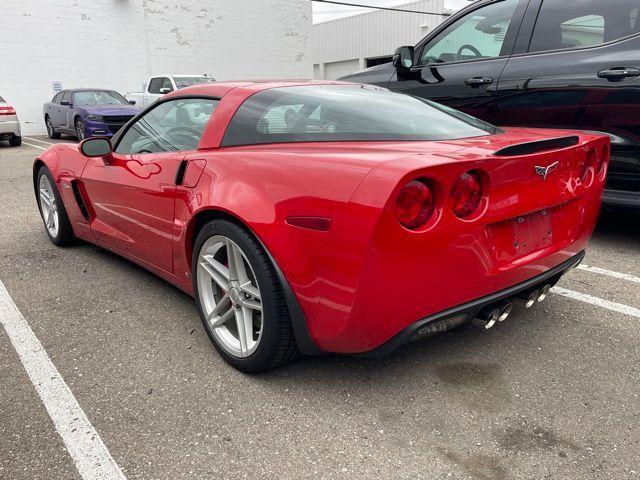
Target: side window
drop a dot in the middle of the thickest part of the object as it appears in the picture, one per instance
(57, 98)
(166, 83)
(479, 34)
(66, 96)
(587, 23)
(172, 126)
(155, 85)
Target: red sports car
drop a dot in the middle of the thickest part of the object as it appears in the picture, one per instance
(329, 217)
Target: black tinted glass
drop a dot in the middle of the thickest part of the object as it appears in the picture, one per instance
(583, 23)
(345, 113)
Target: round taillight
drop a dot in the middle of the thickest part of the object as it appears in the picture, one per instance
(415, 204)
(590, 162)
(466, 194)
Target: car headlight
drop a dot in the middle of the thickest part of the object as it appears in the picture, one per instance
(95, 118)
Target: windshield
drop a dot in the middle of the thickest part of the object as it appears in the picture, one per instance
(182, 82)
(317, 113)
(99, 98)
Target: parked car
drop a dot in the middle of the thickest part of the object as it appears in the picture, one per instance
(9, 124)
(160, 85)
(87, 112)
(286, 209)
(538, 63)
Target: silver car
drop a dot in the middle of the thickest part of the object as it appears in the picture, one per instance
(9, 124)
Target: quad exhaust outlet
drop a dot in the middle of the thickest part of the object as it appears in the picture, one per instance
(499, 312)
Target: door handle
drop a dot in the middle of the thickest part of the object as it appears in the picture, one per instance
(617, 74)
(477, 82)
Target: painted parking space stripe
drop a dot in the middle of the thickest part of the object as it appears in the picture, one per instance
(31, 139)
(32, 145)
(89, 453)
(609, 273)
(599, 302)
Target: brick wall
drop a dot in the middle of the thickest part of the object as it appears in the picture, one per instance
(119, 43)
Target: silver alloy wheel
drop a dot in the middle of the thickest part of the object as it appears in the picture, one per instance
(80, 131)
(49, 207)
(230, 296)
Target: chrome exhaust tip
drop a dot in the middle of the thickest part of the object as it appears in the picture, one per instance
(486, 319)
(544, 292)
(528, 298)
(506, 311)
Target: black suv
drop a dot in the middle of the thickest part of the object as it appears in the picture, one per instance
(537, 63)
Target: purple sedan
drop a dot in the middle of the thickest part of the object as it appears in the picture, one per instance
(87, 113)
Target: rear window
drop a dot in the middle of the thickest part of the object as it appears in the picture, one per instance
(327, 113)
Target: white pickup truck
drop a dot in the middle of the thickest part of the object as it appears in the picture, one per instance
(160, 85)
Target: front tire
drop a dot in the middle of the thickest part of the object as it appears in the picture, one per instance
(240, 299)
(50, 130)
(54, 215)
(15, 141)
(81, 134)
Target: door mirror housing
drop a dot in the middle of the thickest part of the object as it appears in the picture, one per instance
(403, 59)
(96, 147)
(132, 102)
(66, 103)
(165, 90)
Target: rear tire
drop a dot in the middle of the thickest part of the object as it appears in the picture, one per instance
(50, 130)
(271, 342)
(54, 215)
(15, 141)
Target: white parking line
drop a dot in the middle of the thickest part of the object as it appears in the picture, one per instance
(600, 302)
(38, 140)
(609, 273)
(34, 146)
(90, 455)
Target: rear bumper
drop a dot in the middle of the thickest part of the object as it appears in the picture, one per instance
(9, 128)
(621, 198)
(460, 314)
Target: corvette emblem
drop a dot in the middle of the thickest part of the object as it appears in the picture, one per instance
(545, 171)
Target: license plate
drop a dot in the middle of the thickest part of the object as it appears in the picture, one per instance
(520, 236)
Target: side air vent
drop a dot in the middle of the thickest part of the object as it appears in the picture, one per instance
(538, 146)
(79, 200)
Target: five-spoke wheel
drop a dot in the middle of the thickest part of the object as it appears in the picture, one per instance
(230, 295)
(240, 298)
(54, 215)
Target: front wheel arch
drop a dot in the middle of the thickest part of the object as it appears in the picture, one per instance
(300, 329)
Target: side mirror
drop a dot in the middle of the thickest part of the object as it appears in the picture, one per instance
(65, 102)
(132, 102)
(95, 147)
(403, 59)
(165, 90)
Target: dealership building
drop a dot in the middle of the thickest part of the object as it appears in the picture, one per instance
(118, 44)
(348, 44)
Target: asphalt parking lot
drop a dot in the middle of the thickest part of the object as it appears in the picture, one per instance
(550, 394)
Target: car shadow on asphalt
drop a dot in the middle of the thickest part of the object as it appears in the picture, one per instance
(619, 224)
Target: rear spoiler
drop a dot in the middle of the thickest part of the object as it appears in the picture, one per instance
(538, 146)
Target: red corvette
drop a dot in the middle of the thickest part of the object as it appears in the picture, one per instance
(329, 217)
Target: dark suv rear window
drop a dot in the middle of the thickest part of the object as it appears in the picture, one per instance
(325, 113)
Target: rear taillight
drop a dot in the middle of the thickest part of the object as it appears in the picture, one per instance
(466, 194)
(415, 204)
(589, 165)
(7, 111)
(605, 154)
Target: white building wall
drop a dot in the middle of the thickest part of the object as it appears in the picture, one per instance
(372, 34)
(117, 44)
